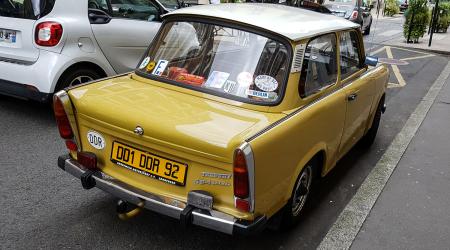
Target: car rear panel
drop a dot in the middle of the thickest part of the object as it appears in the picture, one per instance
(20, 48)
(196, 132)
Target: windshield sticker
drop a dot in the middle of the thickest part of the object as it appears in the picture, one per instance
(150, 66)
(229, 86)
(266, 83)
(144, 62)
(217, 79)
(245, 79)
(259, 94)
(160, 67)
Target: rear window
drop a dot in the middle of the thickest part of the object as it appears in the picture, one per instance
(220, 60)
(26, 9)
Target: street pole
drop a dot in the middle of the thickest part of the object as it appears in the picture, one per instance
(436, 11)
(431, 21)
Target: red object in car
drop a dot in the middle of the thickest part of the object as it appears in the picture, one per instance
(190, 79)
(174, 71)
(48, 34)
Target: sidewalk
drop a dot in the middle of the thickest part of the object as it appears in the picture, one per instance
(413, 210)
(440, 42)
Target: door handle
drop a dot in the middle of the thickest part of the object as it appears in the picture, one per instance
(352, 97)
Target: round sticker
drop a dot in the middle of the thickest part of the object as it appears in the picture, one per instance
(266, 83)
(96, 140)
(245, 78)
(144, 63)
(151, 66)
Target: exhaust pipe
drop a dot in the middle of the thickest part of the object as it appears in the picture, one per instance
(126, 210)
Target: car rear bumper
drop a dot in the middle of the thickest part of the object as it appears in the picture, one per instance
(31, 79)
(211, 219)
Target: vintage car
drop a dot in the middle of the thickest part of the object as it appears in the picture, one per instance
(230, 123)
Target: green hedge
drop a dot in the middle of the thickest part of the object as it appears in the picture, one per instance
(444, 17)
(391, 7)
(420, 22)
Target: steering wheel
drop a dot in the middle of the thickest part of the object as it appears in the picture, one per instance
(93, 5)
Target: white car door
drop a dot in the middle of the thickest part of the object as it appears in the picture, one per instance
(124, 29)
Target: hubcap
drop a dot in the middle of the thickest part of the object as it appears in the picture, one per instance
(80, 79)
(301, 190)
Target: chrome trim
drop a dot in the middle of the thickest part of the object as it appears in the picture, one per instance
(247, 149)
(64, 97)
(215, 220)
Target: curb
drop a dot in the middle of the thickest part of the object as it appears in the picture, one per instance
(436, 51)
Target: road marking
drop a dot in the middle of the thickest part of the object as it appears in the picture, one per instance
(395, 69)
(398, 75)
(390, 32)
(416, 57)
(344, 231)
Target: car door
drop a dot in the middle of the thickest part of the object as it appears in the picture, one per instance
(359, 91)
(124, 29)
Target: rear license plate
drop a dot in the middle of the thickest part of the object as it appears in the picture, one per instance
(148, 164)
(8, 36)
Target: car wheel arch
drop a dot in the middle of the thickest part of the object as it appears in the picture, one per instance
(317, 154)
(78, 65)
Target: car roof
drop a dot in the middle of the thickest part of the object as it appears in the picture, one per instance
(290, 22)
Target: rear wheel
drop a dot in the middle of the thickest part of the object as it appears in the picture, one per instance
(300, 195)
(367, 30)
(369, 138)
(76, 77)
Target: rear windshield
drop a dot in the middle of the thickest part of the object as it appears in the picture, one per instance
(224, 61)
(26, 9)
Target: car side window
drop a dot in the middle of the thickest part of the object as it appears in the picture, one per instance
(319, 69)
(99, 5)
(349, 54)
(135, 9)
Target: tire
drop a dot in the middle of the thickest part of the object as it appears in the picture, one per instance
(293, 210)
(367, 30)
(368, 139)
(75, 77)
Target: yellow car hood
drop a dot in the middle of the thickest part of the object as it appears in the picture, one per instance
(169, 114)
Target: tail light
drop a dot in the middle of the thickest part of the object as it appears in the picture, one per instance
(243, 172)
(354, 15)
(62, 121)
(240, 174)
(65, 130)
(87, 159)
(48, 34)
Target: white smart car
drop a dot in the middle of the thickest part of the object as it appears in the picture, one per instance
(46, 45)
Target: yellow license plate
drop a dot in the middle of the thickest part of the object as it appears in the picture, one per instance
(148, 164)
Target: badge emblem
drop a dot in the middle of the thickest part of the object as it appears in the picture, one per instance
(139, 130)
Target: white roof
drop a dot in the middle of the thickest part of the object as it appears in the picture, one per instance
(290, 22)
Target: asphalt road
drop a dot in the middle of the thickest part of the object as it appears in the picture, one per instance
(44, 207)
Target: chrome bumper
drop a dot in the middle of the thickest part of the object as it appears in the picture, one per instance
(212, 219)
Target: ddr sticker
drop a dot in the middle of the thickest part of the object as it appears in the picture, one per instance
(150, 66)
(259, 94)
(266, 83)
(144, 62)
(160, 67)
(96, 140)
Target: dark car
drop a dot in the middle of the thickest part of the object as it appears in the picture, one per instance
(403, 5)
(357, 11)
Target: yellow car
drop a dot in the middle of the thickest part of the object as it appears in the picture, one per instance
(232, 114)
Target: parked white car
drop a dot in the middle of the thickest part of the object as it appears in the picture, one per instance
(46, 45)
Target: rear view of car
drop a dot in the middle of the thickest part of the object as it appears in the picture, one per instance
(47, 45)
(17, 50)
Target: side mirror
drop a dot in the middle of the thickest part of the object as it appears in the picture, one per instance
(371, 61)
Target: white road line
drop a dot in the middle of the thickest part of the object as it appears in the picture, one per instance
(346, 228)
(390, 33)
